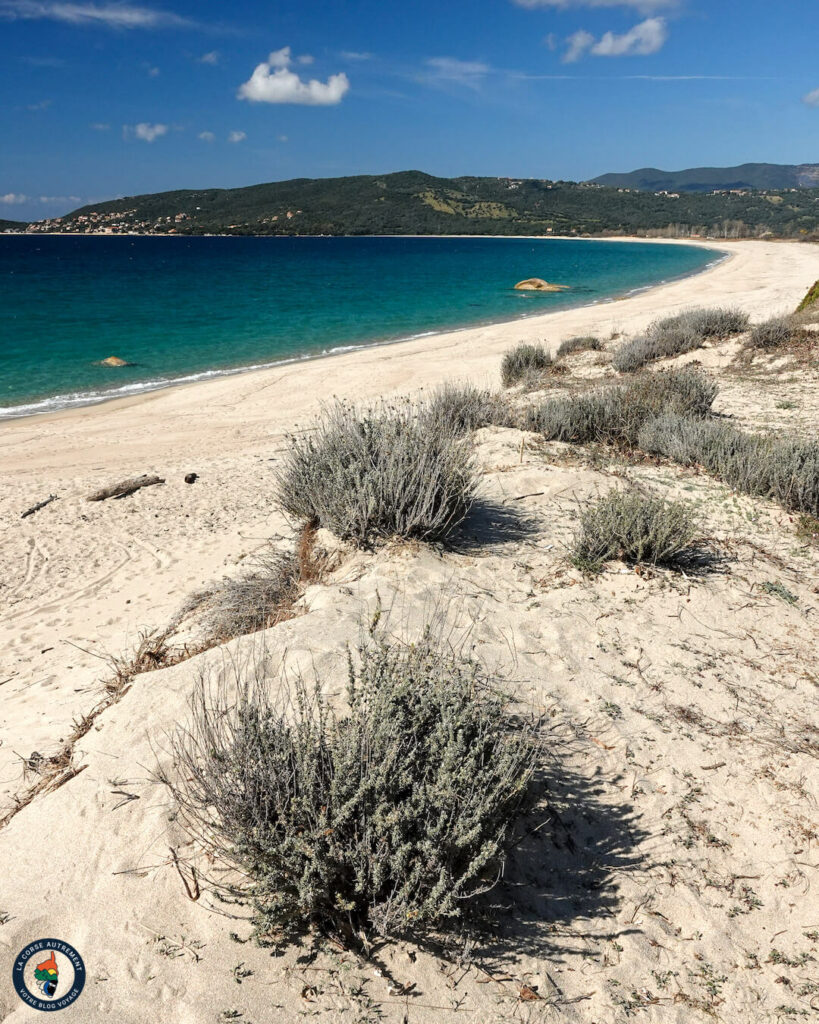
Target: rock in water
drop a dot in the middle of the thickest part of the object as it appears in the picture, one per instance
(537, 284)
(113, 361)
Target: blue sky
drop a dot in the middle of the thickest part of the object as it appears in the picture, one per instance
(102, 99)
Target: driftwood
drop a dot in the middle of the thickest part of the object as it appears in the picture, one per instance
(40, 504)
(125, 487)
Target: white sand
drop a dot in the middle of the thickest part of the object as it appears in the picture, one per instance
(618, 662)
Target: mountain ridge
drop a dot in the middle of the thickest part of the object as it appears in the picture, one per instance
(707, 179)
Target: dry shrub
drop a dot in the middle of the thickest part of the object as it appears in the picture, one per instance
(259, 598)
(388, 818)
(633, 528)
(771, 334)
(385, 472)
(587, 343)
(525, 364)
(783, 468)
(462, 408)
(677, 335)
(615, 415)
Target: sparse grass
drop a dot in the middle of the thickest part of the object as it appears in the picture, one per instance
(779, 590)
(678, 334)
(587, 343)
(628, 526)
(388, 818)
(386, 472)
(807, 528)
(525, 364)
(615, 415)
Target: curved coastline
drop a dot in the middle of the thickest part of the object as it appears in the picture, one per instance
(72, 401)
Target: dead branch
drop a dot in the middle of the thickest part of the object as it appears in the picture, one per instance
(40, 504)
(125, 487)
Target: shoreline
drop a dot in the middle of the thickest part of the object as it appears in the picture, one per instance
(138, 389)
(243, 410)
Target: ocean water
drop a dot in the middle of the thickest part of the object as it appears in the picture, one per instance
(187, 308)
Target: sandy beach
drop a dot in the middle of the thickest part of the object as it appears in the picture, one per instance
(704, 834)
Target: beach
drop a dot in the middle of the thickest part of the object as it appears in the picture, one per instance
(81, 582)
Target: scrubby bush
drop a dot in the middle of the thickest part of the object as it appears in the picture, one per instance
(676, 335)
(524, 364)
(587, 343)
(257, 599)
(381, 473)
(634, 528)
(771, 334)
(615, 415)
(388, 818)
(462, 408)
(786, 469)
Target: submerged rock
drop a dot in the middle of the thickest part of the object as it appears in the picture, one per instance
(113, 361)
(537, 284)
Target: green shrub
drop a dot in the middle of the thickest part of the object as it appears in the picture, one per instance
(587, 343)
(386, 472)
(633, 528)
(811, 299)
(615, 415)
(389, 818)
(524, 364)
(771, 334)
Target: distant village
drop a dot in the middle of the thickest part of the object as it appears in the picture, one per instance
(125, 222)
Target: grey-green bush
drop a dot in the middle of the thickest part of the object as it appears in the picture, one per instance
(615, 415)
(462, 408)
(587, 343)
(675, 335)
(384, 472)
(771, 334)
(524, 364)
(388, 818)
(627, 525)
(786, 469)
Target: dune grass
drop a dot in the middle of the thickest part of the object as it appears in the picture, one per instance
(676, 335)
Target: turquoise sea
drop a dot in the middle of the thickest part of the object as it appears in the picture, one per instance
(183, 309)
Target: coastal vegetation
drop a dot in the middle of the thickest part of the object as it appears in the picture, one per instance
(525, 364)
(634, 528)
(586, 343)
(379, 473)
(811, 299)
(675, 335)
(387, 818)
(414, 203)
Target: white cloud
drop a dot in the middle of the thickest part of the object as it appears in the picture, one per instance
(13, 199)
(207, 136)
(237, 136)
(355, 55)
(145, 131)
(274, 82)
(643, 6)
(42, 105)
(59, 199)
(282, 138)
(108, 15)
(578, 44)
(463, 72)
(646, 38)
(101, 126)
(306, 59)
(812, 98)
(210, 58)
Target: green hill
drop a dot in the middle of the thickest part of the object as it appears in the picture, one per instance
(412, 202)
(709, 179)
(13, 225)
